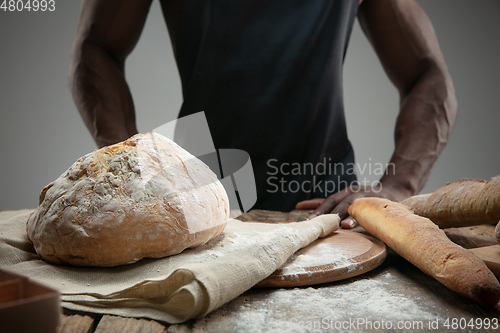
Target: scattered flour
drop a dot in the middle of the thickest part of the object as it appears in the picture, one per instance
(323, 255)
(281, 310)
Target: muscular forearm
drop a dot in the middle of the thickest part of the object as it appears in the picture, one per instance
(406, 44)
(427, 114)
(405, 41)
(107, 32)
(101, 94)
(424, 123)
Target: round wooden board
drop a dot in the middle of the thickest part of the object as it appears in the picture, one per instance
(339, 256)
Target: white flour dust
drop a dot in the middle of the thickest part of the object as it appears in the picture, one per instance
(280, 310)
(324, 255)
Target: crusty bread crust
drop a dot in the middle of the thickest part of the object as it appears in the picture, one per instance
(144, 197)
(421, 242)
(461, 203)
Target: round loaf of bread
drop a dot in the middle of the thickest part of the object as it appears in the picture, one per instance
(142, 198)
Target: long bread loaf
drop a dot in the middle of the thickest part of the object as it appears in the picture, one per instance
(461, 203)
(426, 246)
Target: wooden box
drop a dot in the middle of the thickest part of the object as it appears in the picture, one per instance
(27, 306)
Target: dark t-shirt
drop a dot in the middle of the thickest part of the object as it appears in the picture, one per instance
(268, 75)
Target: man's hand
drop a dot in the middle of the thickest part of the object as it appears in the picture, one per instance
(339, 202)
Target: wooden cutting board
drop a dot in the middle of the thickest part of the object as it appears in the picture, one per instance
(339, 256)
(491, 257)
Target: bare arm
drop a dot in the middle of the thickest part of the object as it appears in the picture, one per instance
(406, 44)
(107, 32)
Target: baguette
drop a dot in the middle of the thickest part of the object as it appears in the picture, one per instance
(464, 202)
(421, 242)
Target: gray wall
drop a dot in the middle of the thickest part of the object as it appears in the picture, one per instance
(41, 133)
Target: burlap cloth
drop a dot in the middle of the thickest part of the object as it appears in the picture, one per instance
(171, 289)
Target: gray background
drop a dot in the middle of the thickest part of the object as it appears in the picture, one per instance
(41, 133)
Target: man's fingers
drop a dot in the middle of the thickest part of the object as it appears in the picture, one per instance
(342, 208)
(326, 206)
(309, 204)
(348, 223)
(332, 204)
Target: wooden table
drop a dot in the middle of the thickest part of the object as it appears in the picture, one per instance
(413, 297)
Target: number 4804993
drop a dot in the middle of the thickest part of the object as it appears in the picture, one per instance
(28, 5)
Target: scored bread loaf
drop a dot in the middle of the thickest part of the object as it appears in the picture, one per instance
(422, 243)
(464, 202)
(144, 197)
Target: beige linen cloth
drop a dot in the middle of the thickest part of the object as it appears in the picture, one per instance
(172, 289)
